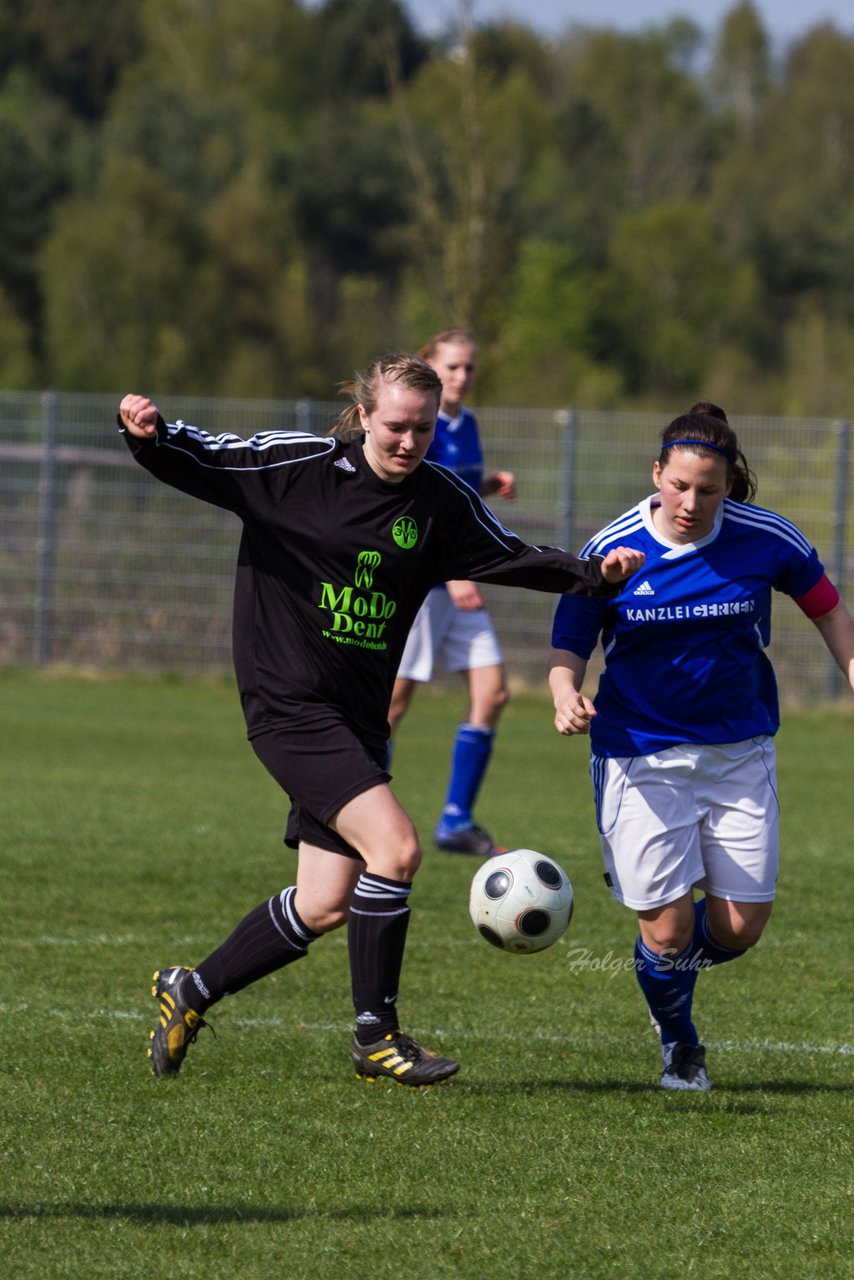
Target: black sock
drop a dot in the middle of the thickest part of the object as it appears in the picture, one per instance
(379, 916)
(269, 937)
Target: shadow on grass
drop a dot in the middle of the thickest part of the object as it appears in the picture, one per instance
(514, 1088)
(191, 1215)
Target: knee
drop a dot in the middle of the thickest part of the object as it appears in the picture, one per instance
(486, 707)
(738, 926)
(326, 918)
(741, 936)
(398, 863)
(408, 857)
(667, 939)
(500, 700)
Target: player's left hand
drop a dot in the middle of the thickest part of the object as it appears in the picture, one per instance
(621, 563)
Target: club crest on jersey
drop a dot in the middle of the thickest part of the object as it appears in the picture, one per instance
(405, 532)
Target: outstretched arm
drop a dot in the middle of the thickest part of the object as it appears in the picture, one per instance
(837, 632)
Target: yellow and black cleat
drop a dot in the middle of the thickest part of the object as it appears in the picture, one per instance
(178, 1024)
(400, 1058)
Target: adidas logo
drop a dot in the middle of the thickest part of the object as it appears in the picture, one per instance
(644, 589)
(345, 464)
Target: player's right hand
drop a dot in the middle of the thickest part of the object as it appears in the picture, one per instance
(466, 596)
(573, 714)
(139, 416)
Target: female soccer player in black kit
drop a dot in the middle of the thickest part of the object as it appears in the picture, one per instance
(343, 536)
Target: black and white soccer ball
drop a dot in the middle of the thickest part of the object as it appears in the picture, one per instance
(521, 901)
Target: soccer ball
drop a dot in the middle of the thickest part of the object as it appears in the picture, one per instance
(521, 901)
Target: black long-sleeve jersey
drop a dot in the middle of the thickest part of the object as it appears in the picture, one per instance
(334, 562)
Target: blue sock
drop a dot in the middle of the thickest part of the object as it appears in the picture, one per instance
(704, 944)
(469, 761)
(668, 982)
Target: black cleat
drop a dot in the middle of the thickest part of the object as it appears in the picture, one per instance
(179, 1024)
(399, 1057)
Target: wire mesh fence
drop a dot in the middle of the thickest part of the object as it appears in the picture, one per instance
(101, 566)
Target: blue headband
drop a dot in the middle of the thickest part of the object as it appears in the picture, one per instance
(703, 444)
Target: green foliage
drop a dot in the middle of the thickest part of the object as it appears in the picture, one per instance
(312, 157)
(17, 366)
(132, 300)
(73, 48)
(546, 346)
(138, 826)
(674, 296)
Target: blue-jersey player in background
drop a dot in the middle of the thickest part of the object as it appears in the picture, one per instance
(682, 726)
(453, 625)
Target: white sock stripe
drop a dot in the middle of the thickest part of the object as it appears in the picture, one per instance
(366, 887)
(481, 729)
(276, 925)
(385, 915)
(287, 900)
(297, 933)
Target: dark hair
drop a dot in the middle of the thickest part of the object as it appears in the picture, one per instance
(444, 337)
(709, 409)
(364, 388)
(709, 434)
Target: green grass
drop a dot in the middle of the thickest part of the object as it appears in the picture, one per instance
(138, 827)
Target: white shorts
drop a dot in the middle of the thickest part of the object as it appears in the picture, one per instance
(690, 816)
(461, 639)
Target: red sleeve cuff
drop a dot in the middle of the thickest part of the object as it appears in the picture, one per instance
(820, 599)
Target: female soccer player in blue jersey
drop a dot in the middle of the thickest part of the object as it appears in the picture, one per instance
(682, 726)
(343, 536)
(453, 625)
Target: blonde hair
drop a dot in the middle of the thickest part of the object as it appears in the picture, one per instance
(444, 338)
(401, 367)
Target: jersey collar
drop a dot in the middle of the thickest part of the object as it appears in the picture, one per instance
(676, 549)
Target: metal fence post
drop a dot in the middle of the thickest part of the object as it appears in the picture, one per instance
(304, 414)
(840, 532)
(46, 534)
(566, 422)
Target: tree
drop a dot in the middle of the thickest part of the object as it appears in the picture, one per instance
(672, 298)
(468, 140)
(17, 366)
(133, 295)
(75, 49)
(37, 145)
(644, 106)
(544, 354)
(740, 75)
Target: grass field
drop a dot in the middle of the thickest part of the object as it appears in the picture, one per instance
(138, 827)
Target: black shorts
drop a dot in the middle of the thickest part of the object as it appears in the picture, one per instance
(321, 764)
